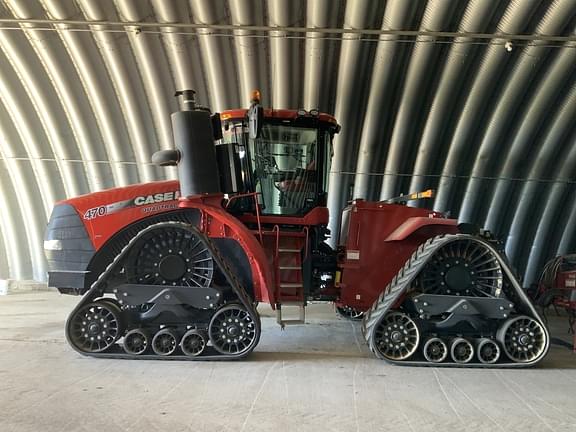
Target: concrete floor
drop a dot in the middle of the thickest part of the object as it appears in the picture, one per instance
(319, 377)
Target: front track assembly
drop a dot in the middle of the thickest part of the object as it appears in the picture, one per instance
(456, 302)
(168, 294)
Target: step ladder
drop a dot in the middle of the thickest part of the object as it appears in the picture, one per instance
(289, 279)
(291, 321)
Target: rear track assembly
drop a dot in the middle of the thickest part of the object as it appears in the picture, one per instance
(456, 302)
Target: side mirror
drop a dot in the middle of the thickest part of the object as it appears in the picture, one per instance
(255, 120)
(166, 158)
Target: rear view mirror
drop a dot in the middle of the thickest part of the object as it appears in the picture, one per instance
(255, 120)
(166, 158)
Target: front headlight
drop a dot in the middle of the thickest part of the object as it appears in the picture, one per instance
(54, 245)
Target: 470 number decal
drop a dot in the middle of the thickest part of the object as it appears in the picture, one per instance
(95, 212)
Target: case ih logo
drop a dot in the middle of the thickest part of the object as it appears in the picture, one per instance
(156, 198)
(139, 201)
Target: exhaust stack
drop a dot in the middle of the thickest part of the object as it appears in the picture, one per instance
(195, 153)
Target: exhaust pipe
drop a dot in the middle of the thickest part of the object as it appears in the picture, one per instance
(195, 153)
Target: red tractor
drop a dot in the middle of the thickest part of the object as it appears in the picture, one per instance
(175, 269)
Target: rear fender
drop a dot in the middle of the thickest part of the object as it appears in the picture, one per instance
(415, 224)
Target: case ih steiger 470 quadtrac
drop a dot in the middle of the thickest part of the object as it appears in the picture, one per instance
(175, 269)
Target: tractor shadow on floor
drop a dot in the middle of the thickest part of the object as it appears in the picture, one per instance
(267, 356)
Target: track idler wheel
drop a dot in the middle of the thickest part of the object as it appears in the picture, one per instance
(435, 350)
(461, 350)
(193, 343)
(165, 342)
(136, 342)
(95, 327)
(232, 330)
(488, 351)
(523, 338)
(396, 337)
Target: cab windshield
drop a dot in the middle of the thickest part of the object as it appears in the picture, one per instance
(284, 160)
(287, 165)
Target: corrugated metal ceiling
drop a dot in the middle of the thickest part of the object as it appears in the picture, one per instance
(83, 107)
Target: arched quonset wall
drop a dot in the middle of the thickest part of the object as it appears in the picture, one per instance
(83, 107)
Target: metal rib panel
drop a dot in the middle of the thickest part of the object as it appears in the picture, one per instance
(98, 93)
(450, 95)
(4, 263)
(517, 84)
(16, 252)
(182, 51)
(156, 80)
(387, 78)
(52, 120)
(119, 61)
(468, 131)
(252, 53)
(568, 230)
(27, 140)
(556, 208)
(285, 54)
(554, 156)
(65, 81)
(319, 55)
(539, 116)
(218, 56)
(424, 63)
(20, 196)
(354, 72)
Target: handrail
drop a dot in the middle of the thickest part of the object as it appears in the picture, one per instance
(254, 195)
(306, 231)
(258, 217)
(277, 259)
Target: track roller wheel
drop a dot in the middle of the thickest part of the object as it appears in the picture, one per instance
(488, 351)
(435, 350)
(396, 337)
(349, 313)
(523, 339)
(136, 342)
(232, 330)
(193, 343)
(165, 342)
(461, 350)
(95, 327)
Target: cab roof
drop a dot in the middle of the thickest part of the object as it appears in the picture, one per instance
(238, 114)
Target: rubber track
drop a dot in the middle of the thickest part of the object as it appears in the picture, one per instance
(98, 288)
(401, 282)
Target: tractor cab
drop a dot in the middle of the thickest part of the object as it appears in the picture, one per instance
(284, 159)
